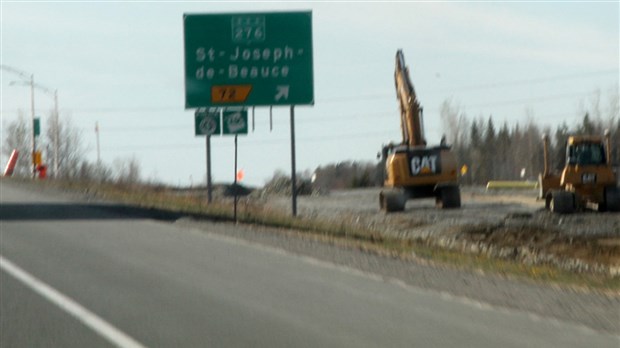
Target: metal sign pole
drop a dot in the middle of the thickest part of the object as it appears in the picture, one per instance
(253, 107)
(293, 176)
(209, 186)
(34, 141)
(235, 184)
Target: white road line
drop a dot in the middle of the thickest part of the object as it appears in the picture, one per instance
(88, 318)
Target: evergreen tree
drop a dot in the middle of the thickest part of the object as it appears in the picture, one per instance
(615, 145)
(587, 127)
(503, 148)
(534, 157)
(475, 150)
(489, 155)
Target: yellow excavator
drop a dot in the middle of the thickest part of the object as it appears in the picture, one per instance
(587, 178)
(414, 170)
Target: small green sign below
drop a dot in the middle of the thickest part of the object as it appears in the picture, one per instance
(37, 127)
(207, 122)
(235, 122)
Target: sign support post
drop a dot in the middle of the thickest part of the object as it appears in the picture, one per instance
(209, 186)
(235, 184)
(293, 174)
(207, 123)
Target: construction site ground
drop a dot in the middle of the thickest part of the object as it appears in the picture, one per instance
(509, 224)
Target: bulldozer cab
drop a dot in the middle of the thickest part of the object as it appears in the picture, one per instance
(587, 178)
(586, 154)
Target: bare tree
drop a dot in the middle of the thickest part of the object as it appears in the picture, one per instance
(455, 123)
(94, 172)
(18, 137)
(127, 170)
(71, 151)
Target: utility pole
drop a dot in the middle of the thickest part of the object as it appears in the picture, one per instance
(34, 143)
(98, 148)
(56, 134)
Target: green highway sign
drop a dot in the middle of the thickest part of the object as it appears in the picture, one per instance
(248, 59)
(235, 122)
(207, 122)
(36, 126)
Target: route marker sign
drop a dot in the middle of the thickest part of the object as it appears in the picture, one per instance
(235, 122)
(248, 59)
(207, 122)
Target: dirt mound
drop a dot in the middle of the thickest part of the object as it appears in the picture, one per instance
(536, 244)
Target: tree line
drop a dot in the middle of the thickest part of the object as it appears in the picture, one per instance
(488, 151)
(72, 163)
(516, 152)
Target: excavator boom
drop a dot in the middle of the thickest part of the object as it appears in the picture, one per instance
(410, 109)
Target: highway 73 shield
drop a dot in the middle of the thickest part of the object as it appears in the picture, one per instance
(207, 123)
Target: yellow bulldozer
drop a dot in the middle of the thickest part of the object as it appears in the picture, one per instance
(587, 180)
(412, 169)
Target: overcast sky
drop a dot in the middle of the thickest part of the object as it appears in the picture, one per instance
(121, 64)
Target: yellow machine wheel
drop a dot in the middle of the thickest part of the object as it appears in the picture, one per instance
(612, 200)
(561, 202)
(392, 200)
(448, 197)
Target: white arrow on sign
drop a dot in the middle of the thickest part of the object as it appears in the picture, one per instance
(282, 92)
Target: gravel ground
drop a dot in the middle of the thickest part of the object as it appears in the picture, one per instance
(508, 224)
(422, 219)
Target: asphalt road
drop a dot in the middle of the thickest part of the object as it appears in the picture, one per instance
(75, 274)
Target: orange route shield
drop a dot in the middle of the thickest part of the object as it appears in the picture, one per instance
(230, 93)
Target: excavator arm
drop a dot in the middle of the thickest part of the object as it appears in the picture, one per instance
(410, 109)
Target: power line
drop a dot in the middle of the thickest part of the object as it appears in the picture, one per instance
(331, 118)
(526, 100)
(335, 137)
(491, 85)
(168, 108)
(323, 138)
(536, 80)
(189, 127)
(379, 114)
